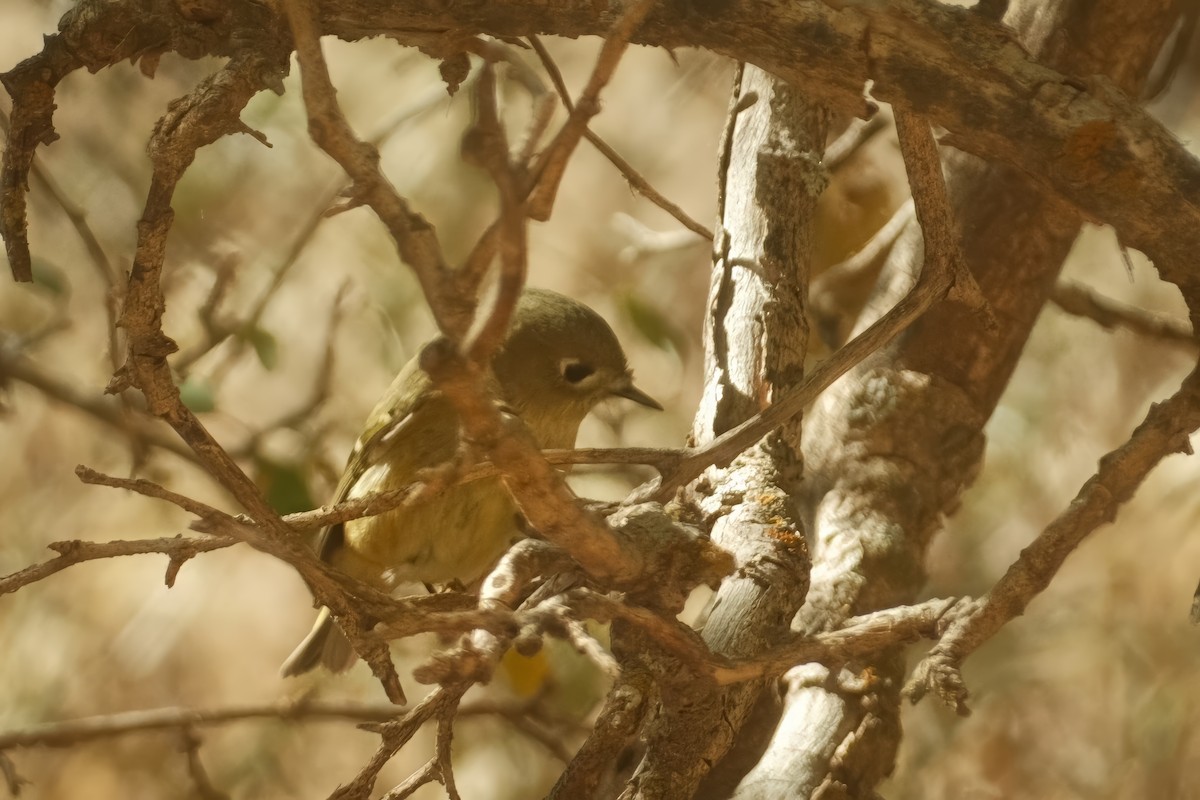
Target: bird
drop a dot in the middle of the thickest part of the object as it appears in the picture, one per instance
(559, 359)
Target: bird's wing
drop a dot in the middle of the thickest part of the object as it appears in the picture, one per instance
(410, 394)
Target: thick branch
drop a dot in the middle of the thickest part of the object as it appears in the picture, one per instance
(892, 447)
(948, 64)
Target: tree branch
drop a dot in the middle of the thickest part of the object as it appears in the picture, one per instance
(636, 181)
(1082, 301)
(1164, 431)
(73, 552)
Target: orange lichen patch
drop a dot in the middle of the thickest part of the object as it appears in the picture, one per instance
(787, 537)
(1094, 152)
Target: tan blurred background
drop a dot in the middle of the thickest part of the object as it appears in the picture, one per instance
(1095, 693)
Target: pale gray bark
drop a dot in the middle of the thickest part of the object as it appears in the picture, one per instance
(754, 344)
(892, 446)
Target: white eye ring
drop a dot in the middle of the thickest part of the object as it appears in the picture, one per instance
(575, 371)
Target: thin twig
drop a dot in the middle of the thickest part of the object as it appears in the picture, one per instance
(1164, 431)
(858, 638)
(394, 735)
(134, 425)
(150, 489)
(414, 237)
(931, 287)
(635, 179)
(91, 244)
(828, 282)
(428, 773)
(69, 733)
(1082, 301)
(204, 785)
(12, 779)
(305, 234)
(931, 203)
(944, 273)
(553, 164)
(73, 552)
(445, 738)
(487, 143)
(544, 101)
(857, 134)
(321, 389)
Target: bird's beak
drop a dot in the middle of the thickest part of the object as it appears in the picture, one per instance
(627, 390)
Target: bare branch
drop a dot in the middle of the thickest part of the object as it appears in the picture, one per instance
(1164, 431)
(12, 779)
(860, 637)
(552, 165)
(428, 773)
(322, 382)
(488, 145)
(102, 264)
(932, 207)
(932, 287)
(136, 426)
(73, 552)
(395, 735)
(856, 136)
(1080, 300)
(69, 733)
(629, 701)
(636, 181)
(305, 232)
(830, 286)
(415, 238)
(445, 738)
(204, 786)
(150, 489)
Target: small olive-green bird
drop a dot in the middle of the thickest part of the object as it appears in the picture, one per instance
(559, 359)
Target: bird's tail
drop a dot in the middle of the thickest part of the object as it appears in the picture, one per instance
(325, 646)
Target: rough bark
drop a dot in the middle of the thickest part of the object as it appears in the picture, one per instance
(1084, 140)
(754, 346)
(891, 448)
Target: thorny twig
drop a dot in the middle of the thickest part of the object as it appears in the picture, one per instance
(396, 734)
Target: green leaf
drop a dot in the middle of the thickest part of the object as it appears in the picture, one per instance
(285, 486)
(654, 326)
(197, 395)
(265, 345)
(50, 277)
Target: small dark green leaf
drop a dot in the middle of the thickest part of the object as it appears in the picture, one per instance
(654, 326)
(285, 486)
(50, 277)
(265, 345)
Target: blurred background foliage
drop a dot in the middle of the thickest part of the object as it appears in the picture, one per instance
(1095, 693)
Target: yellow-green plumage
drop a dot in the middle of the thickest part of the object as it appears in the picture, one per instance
(558, 361)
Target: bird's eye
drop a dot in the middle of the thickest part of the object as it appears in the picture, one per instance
(575, 371)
